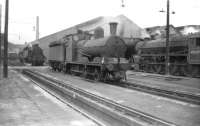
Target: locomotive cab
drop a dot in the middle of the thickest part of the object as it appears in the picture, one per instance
(194, 51)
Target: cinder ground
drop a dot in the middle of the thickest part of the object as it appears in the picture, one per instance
(179, 113)
(182, 84)
(179, 83)
(24, 104)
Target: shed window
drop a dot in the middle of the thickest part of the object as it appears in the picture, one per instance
(98, 33)
(198, 42)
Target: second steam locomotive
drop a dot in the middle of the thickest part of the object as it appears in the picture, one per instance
(91, 55)
(184, 55)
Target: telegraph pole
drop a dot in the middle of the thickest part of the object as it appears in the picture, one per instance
(167, 64)
(5, 63)
(0, 42)
(167, 54)
(37, 28)
(123, 5)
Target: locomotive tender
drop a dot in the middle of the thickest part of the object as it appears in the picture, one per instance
(99, 57)
(184, 55)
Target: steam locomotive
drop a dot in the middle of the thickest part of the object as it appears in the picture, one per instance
(33, 55)
(184, 55)
(91, 55)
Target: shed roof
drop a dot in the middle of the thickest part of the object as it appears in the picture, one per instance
(126, 28)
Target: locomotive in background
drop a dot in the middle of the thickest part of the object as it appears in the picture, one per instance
(102, 58)
(184, 55)
(32, 55)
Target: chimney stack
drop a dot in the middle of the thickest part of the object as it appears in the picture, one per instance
(113, 28)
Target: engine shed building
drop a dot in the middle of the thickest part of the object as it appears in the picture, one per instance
(126, 28)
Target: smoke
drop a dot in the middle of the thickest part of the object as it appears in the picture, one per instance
(158, 32)
(189, 30)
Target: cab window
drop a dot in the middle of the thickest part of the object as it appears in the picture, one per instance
(198, 42)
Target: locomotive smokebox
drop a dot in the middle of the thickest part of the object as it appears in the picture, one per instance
(113, 28)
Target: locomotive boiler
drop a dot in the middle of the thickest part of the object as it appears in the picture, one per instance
(102, 58)
(112, 46)
(184, 55)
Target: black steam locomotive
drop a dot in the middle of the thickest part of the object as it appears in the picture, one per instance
(91, 55)
(33, 55)
(184, 55)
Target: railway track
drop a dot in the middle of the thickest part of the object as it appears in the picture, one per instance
(172, 94)
(107, 111)
(177, 95)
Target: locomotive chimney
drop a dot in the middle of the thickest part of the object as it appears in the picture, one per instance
(113, 28)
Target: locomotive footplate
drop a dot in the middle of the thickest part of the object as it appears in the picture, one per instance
(96, 71)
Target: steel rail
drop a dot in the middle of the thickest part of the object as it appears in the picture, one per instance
(124, 115)
(140, 86)
(61, 98)
(173, 94)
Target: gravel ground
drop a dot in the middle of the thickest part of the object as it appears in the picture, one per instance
(24, 104)
(180, 113)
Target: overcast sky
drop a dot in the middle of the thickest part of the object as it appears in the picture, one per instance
(56, 15)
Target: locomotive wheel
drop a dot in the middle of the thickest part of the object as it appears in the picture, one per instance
(106, 77)
(54, 69)
(162, 69)
(157, 68)
(172, 69)
(84, 74)
(67, 69)
(191, 71)
(64, 69)
(187, 70)
(151, 68)
(124, 77)
(59, 68)
(195, 71)
(176, 70)
(97, 75)
(146, 67)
